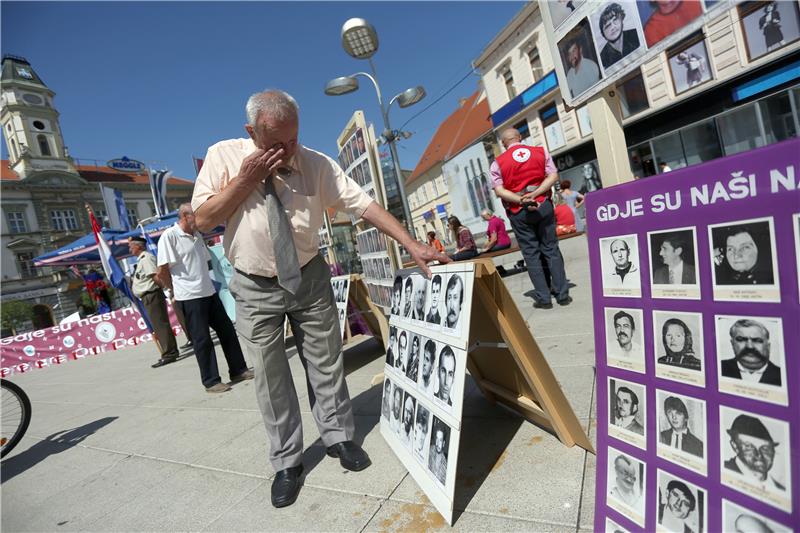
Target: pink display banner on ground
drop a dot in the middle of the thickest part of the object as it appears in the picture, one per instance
(87, 337)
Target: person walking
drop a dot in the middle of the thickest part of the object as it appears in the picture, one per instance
(145, 288)
(183, 268)
(271, 192)
(522, 177)
(465, 242)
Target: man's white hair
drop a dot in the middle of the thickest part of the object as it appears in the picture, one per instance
(277, 104)
(486, 212)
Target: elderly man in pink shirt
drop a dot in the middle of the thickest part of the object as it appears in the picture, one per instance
(496, 234)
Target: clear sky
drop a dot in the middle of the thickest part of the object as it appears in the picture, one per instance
(160, 82)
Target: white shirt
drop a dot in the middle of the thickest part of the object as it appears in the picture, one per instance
(187, 257)
(755, 477)
(580, 79)
(751, 376)
(615, 350)
(614, 280)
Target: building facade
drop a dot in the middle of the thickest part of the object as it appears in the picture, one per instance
(746, 98)
(42, 196)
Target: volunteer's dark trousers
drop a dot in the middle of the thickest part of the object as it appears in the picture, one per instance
(536, 235)
(200, 313)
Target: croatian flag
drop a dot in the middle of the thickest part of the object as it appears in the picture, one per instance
(158, 186)
(151, 246)
(113, 271)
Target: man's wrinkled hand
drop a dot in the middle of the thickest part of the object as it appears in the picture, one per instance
(257, 166)
(422, 254)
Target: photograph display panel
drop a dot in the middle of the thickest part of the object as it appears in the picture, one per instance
(673, 264)
(690, 66)
(769, 26)
(625, 485)
(625, 339)
(579, 59)
(751, 358)
(621, 266)
(617, 32)
(341, 294)
(627, 405)
(728, 433)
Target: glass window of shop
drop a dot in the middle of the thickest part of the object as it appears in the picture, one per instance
(632, 95)
(739, 130)
(669, 149)
(700, 142)
(779, 115)
(523, 129)
(552, 127)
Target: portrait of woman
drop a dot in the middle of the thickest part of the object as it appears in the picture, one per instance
(676, 339)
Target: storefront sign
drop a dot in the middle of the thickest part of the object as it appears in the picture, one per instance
(126, 165)
(696, 306)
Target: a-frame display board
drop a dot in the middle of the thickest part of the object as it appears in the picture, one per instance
(355, 292)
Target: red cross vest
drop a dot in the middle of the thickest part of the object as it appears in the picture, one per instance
(521, 166)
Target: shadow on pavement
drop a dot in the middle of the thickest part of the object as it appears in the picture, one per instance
(58, 442)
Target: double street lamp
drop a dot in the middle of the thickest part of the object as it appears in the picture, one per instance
(360, 40)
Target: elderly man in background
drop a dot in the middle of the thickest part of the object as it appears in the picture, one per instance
(272, 192)
(496, 234)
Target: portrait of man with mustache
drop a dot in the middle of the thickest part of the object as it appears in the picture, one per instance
(751, 353)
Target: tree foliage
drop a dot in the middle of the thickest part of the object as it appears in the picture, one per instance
(15, 313)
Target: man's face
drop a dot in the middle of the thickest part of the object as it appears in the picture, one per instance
(677, 420)
(757, 454)
(135, 248)
(453, 302)
(403, 348)
(415, 349)
(574, 55)
(427, 363)
(624, 330)
(408, 414)
(409, 289)
(678, 503)
(397, 405)
(436, 289)
(439, 441)
(612, 29)
(675, 338)
(396, 298)
(270, 133)
(447, 368)
(620, 253)
(625, 406)
(750, 346)
(671, 256)
(741, 252)
(420, 432)
(187, 221)
(419, 296)
(626, 475)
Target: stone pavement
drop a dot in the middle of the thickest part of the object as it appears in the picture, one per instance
(117, 446)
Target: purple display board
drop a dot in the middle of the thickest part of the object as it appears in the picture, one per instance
(697, 336)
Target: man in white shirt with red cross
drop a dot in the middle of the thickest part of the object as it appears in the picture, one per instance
(522, 177)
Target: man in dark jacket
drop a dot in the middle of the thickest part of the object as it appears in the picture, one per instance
(751, 346)
(620, 42)
(678, 435)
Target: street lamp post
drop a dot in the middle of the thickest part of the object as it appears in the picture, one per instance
(360, 40)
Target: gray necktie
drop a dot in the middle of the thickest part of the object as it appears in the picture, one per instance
(282, 243)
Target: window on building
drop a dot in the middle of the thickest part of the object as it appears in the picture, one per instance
(700, 142)
(508, 79)
(641, 159)
(423, 193)
(779, 121)
(739, 130)
(63, 219)
(584, 121)
(14, 149)
(632, 95)
(25, 265)
(152, 207)
(16, 222)
(133, 218)
(535, 62)
(523, 129)
(44, 146)
(434, 188)
(553, 132)
(668, 149)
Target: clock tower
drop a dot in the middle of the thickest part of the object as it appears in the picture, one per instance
(30, 122)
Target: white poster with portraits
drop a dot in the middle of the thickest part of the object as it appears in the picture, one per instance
(673, 264)
(682, 430)
(744, 261)
(627, 408)
(681, 506)
(625, 339)
(617, 33)
(678, 347)
(751, 358)
(620, 263)
(737, 518)
(755, 456)
(626, 480)
(341, 294)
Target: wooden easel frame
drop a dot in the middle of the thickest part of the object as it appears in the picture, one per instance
(508, 365)
(372, 314)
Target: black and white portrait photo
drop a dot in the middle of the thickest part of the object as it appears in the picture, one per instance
(673, 264)
(427, 378)
(560, 10)
(408, 297)
(412, 367)
(420, 290)
(751, 357)
(678, 342)
(422, 427)
(446, 375)
(579, 60)
(386, 402)
(397, 409)
(403, 349)
(741, 520)
(743, 257)
(682, 430)
(625, 482)
(433, 316)
(391, 349)
(619, 260)
(439, 450)
(755, 455)
(454, 300)
(769, 26)
(690, 67)
(625, 339)
(407, 427)
(682, 506)
(397, 296)
(613, 527)
(617, 32)
(627, 411)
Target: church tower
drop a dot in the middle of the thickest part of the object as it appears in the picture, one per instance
(30, 121)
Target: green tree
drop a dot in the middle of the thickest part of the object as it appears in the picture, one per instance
(15, 313)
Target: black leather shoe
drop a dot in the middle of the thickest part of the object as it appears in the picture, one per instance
(286, 486)
(565, 301)
(163, 361)
(351, 455)
(541, 305)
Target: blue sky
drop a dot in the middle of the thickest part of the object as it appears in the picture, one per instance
(160, 82)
